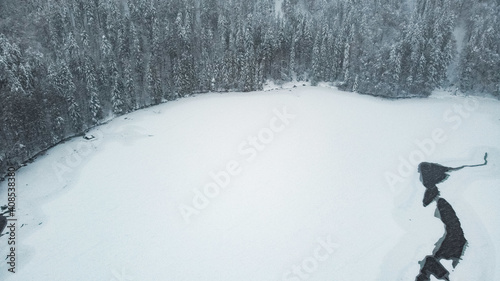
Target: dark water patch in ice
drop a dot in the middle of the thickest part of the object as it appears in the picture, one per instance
(452, 245)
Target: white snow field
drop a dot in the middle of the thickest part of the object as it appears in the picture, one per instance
(308, 183)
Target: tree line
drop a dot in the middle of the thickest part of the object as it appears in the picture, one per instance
(69, 65)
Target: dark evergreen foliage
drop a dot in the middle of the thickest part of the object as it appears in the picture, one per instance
(64, 65)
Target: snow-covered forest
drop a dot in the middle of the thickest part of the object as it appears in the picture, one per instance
(68, 65)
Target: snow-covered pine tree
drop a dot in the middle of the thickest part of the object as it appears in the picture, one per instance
(316, 62)
(67, 89)
(93, 96)
(131, 98)
(116, 95)
(248, 63)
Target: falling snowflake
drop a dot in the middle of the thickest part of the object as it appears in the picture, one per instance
(121, 276)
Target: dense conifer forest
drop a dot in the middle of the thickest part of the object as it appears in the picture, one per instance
(69, 65)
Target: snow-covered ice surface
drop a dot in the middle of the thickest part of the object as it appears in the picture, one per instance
(330, 193)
